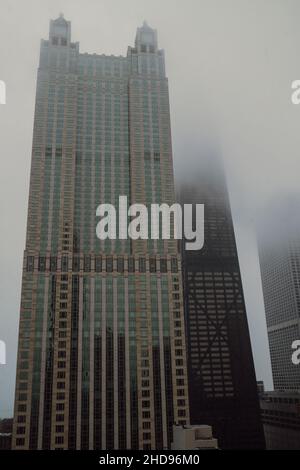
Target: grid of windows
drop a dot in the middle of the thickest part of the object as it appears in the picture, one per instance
(280, 270)
(102, 346)
(222, 383)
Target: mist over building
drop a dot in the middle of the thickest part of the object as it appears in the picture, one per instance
(222, 381)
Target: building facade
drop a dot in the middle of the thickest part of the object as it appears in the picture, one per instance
(101, 359)
(193, 438)
(281, 419)
(279, 256)
(6, 425)
(222, 382)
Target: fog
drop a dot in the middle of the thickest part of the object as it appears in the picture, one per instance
(230, 65)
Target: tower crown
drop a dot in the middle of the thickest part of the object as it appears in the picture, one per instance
(146, 36)
(60, 31)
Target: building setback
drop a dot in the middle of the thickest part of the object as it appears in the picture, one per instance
(101, 359)
(222, 382)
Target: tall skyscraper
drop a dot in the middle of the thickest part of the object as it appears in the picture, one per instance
(222, 382)
(279, 255)
(101, 360)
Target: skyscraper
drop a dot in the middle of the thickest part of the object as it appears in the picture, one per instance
(222, 382)
(101, 359)
(279, 255)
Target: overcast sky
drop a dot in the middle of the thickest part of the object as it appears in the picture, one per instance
(230, 65)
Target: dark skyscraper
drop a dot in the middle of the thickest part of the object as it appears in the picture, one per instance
(102, 358)
(222, 382)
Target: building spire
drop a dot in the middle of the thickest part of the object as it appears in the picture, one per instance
(60, 28)
(146, 36)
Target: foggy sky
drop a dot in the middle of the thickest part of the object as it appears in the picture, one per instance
(230, 65)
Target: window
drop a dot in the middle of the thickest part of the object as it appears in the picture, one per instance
(98, 264)
(109, 264)
(181, 402)
(174, 265)
(64, 263)
(42, 263)
(163, 265)
(120, 265)
(87, 264)
(21, 430)
(152, 265)
(22, 408)
(22, 397)
(142, 265)
(20, 441)
(131, 266)
(30, 263)
(53, 263)
(76, 263)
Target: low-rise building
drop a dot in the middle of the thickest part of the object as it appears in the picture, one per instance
(193, 437)
(281, 419)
